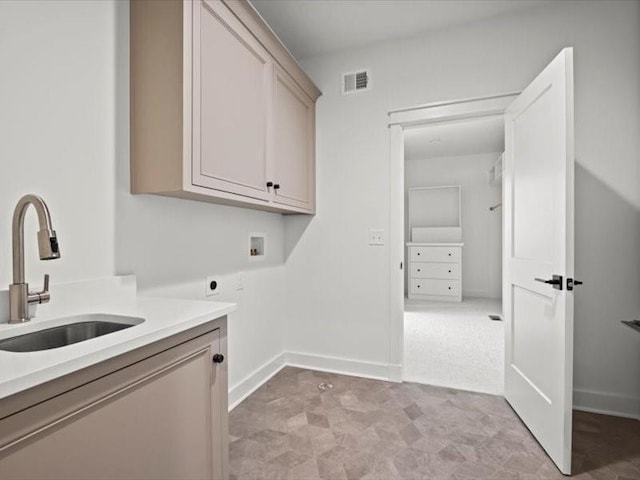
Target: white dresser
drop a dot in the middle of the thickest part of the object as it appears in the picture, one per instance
(435, 271)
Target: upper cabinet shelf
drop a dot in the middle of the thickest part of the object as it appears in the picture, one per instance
(220, 111)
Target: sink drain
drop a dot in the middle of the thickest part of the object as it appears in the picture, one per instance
(323, 387)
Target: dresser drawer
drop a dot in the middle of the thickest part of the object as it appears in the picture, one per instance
(430, 286)
(434, 270)
(434, 254)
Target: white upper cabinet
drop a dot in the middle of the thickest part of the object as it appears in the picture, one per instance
(220, 111)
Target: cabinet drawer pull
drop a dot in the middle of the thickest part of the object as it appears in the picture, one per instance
(218, 358)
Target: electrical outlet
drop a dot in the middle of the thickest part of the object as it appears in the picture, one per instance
(240, 281)
(212, 287)
(376, 237)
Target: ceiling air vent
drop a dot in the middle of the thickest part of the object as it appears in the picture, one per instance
(355, 82)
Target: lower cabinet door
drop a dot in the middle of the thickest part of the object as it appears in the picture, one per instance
(157, 419)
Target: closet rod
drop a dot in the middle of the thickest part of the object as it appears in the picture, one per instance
(497, 205)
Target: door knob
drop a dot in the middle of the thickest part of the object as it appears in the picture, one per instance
(556, 281)
(572, 283)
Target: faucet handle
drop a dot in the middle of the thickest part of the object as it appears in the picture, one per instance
(44, 295)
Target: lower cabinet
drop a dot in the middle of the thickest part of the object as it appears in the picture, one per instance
(164, 417)
(435, 272)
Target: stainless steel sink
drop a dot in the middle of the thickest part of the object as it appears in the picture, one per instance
(84, 328)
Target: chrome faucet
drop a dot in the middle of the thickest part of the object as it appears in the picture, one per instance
(19, 296)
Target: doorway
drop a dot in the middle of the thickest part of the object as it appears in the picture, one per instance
(453, 329)
(401, 122)
(538, 246)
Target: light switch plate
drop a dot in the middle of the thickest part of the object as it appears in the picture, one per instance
(240, 281)
(376, 237)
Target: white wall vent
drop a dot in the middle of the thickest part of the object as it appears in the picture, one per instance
(355, 82)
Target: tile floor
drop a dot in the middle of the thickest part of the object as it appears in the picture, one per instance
(455, 345)
(370, 429)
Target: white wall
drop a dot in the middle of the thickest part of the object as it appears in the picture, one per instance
(64, 117)
(481, 228)
(343, 309)
(57, 124)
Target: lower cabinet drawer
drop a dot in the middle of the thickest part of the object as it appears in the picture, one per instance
(434, 270)
(430, 286)
(434, 254)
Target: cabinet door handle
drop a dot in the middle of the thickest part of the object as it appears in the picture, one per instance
(269, 184)
(218, 358)
(276, 186)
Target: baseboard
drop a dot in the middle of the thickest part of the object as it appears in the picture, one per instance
(395, 373)
(583, 400)
(255, 380)
(606, 403)
(343, 366)
(259, 377)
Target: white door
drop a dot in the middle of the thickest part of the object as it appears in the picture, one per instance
(538, 247)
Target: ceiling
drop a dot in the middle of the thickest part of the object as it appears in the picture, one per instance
(312, 27)
(454, 139)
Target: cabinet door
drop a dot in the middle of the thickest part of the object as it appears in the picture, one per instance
(232, 74)
(161, 418)
(293, 143)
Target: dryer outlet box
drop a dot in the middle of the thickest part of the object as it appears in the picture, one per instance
(212, 286)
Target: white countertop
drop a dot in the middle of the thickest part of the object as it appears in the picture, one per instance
(427, 244)
(163, 318)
